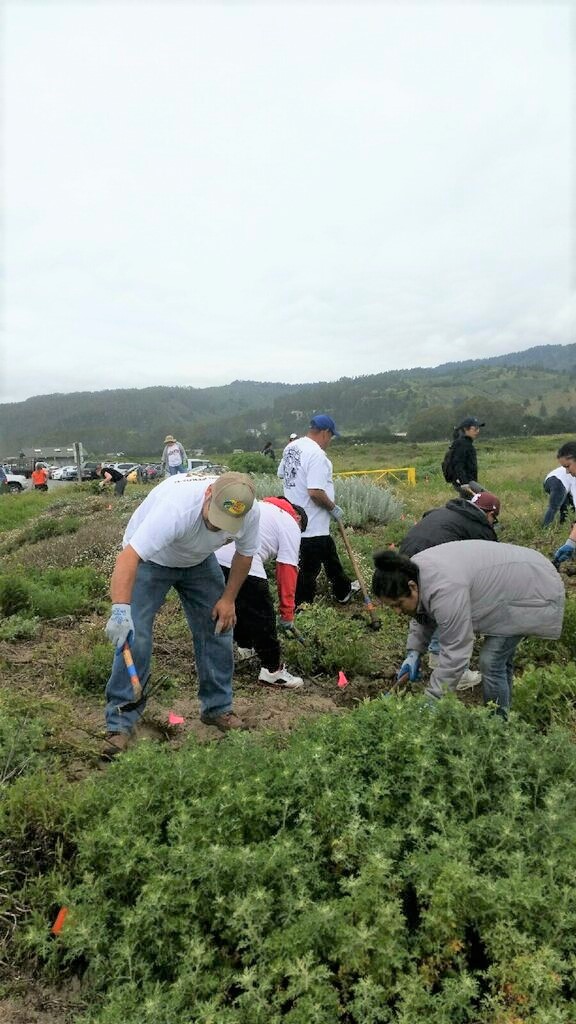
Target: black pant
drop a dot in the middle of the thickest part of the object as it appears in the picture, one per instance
(256, 620)
(40, 487)
(316, 552)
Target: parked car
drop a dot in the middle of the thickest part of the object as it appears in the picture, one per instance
(200, 466)
(125, 467)
(16, 482)
(153, 471)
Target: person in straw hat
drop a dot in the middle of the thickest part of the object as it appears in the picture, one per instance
(174, 458)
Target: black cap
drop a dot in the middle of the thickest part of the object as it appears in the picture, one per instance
(470, 421)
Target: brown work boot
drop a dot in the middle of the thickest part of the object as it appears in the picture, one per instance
(116, 743)
(226, 722)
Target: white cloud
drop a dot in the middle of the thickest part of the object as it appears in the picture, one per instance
(200, 192)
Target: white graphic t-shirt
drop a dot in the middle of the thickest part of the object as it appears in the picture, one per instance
(168, 527)
(174, 455)
(279, 539)
(305, 465)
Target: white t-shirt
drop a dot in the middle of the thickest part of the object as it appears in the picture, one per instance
(168, 527)
(279, 538)
(305, 465)
(565, 478)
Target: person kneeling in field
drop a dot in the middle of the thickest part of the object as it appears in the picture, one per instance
(170, 542)
(503, 591)
(281, 527)
(460, 519)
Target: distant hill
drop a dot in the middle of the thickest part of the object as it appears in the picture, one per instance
(534, 391)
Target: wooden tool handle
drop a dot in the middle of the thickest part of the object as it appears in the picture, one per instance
(136, 686)
(367, 599)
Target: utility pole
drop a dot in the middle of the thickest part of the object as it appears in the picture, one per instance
(78, 459)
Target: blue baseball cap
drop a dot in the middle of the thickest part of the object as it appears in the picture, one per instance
(324, 422)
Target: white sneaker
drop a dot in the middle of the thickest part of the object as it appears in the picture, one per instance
(281, 678)
(244, 653)
(469, 679)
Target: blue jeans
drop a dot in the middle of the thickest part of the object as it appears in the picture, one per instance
(497, 668)
(172, 470)
(199, 587)
(558, 500)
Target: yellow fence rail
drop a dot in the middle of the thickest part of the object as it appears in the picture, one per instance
(379, 474)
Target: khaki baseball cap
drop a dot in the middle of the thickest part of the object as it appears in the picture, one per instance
(232, 498)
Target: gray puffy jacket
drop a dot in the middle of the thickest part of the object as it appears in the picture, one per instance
(469, 587)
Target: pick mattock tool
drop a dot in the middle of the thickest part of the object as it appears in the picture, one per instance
(374, 620)
(136, 686)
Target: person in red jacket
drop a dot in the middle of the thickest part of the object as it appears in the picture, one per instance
(281, 526)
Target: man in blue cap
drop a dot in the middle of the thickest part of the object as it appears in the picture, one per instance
(306, 472)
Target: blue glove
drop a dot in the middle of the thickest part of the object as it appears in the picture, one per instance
(565, 552)
(120, 626)
(290, 631)
(337, 513)
(410, 666)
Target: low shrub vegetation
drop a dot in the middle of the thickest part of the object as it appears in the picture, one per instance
(18, 627)
(364, 503)
(397, 864)
(51, 527)
(88, 672)
(51, 593)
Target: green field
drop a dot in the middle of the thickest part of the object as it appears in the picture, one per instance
(353, 857)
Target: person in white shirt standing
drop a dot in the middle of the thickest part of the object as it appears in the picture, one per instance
(306, 472)
(170, 542)
(173, 457)
(281, 524)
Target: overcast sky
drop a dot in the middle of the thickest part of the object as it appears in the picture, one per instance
(196, 192)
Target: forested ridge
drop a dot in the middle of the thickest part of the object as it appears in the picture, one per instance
(523, 392)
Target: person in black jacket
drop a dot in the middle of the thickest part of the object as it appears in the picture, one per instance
(457, 520)
(110, 476)
(464, 458)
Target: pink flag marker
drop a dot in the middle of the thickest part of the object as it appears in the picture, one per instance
(342, 681)
(174, 719)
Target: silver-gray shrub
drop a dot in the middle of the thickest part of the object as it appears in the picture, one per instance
(363, 501)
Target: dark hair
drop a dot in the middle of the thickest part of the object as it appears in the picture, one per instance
(567, 451)
(303, 515)
(392, 575)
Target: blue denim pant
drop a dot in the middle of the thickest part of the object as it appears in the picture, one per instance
(172, 470)
(199, 587)
(558, 500)
(497, 668)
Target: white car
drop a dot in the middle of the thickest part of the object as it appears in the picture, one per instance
(16, 483)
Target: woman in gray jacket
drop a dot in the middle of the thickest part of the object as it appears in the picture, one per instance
(503, 591)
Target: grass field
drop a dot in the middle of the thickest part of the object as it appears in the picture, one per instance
(351, 858)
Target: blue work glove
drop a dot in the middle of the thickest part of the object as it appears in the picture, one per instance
(565, 552)
(120, 626)
(410, 666)
(290, 631)
(337, 513)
